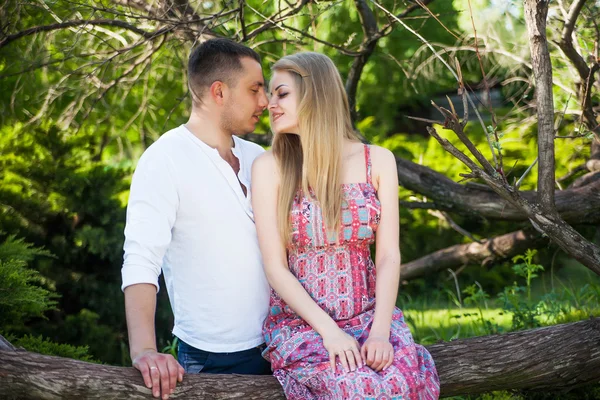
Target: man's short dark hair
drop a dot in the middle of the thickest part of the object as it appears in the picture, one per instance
(216, 60)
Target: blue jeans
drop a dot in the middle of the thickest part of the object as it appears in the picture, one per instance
(247, 362)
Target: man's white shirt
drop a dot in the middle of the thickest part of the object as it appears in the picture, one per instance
(188, 216)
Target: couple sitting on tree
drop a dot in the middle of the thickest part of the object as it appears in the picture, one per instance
(266, 255)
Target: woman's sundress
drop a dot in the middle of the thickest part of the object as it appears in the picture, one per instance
(340, 277)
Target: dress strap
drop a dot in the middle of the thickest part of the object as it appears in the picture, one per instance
(368, 162)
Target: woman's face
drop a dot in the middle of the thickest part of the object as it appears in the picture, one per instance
(283, 104)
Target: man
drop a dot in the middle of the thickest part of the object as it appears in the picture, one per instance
(189, 214)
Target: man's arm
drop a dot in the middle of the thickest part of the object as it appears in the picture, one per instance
(140, 306)
(151, 214)
(160, 371)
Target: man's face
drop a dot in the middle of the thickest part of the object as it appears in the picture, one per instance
(246, 101)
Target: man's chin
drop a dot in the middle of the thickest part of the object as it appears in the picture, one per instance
(246, 131)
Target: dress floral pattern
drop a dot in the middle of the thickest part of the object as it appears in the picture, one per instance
(340, 277)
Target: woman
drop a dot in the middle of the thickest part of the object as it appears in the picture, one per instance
(319, 196)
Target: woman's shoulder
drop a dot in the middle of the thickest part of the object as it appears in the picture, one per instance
(265, 165)
(380, 153)
(265, 160)
(381, 158)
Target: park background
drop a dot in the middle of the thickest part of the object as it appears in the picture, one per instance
(87, 85)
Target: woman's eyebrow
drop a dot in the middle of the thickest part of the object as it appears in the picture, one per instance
(283, 84)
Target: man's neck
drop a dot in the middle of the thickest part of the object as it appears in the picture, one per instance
(208, 130)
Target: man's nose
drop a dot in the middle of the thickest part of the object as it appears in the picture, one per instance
(263, 102)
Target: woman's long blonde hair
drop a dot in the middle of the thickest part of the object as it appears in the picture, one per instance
(313, 159)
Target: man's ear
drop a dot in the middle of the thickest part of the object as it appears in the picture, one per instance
(217, 92)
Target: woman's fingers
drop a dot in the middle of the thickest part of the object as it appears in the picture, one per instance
(332, 360)
(390, 359)
(357, 356)
(363, 353)
(343, 360)
(352, 362)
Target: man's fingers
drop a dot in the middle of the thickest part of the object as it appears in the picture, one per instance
(173, 374)
(165, 380)
(155, 375)
(180, 373)
(145, 370)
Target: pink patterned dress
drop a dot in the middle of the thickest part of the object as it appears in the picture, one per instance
(341, 279)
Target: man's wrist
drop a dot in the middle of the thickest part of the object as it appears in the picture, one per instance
(137, 353)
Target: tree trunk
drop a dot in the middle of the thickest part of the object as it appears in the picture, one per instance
(536, 12)
(552, 358)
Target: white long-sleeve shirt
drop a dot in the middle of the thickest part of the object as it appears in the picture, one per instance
(188, 216)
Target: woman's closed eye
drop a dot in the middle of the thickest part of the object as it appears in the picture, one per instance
(282, 95)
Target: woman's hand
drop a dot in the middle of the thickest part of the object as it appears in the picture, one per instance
(339, 343)
(378, 353)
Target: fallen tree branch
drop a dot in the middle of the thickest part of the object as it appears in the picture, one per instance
(488, 251)
(576, 205)
(557, 357)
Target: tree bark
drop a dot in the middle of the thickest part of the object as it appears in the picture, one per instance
(552, 358)
(528, 360)
(489, 251)
(575, 205)
(536, 12)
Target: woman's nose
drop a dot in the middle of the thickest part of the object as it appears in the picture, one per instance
(272, 103)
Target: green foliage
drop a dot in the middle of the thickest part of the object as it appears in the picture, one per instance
(40, 345)
(21, 295)
(525, 313)
(171, 347)
(64, 173)
(477, 296)
(58, 195)
(527, 268)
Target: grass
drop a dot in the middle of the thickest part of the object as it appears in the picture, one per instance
(431, 326)
(539, 297)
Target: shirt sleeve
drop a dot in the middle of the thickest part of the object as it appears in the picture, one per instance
(151, 213)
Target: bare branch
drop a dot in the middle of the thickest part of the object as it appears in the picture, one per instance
(275, 19)
(369, 24)
(446, 217)
(573, 172)
(566, 43)
(68, 24)
(368, 45)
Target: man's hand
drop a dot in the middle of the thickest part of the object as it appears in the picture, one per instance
(161, 372)
(378, 353)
